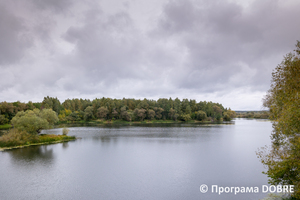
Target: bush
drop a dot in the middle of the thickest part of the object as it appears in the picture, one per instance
(185, 117)
(3, 120)
(201, 115)
(65, 131)
(15, 137)
(34, 121)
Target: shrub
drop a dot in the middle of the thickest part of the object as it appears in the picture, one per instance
(65, 131)
(15, 137)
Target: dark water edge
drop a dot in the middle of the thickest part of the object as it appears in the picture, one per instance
(161, 124)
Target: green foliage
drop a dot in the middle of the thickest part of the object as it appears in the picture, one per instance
(63, 114)
(72, 110)
(49, 115)
(88, 113)
(252, 114)
(52, 103)
(228, 115)
(201, 115)
(139, 114)
(15, 137)
(272, 196)
(151, 114)
(34, 121)
(3, 120)
(7, 109)
(5, 126)
(166, 109)
(74, 116)
(185, 117)
(115, 114)
(188, 110)
(158, 112)
(102, 112)
(29, 121)
(65, 131)
(125, 115)
(283, 157)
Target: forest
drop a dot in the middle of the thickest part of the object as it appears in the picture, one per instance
(73, 110)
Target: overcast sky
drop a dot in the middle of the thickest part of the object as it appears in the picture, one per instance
(215, 50)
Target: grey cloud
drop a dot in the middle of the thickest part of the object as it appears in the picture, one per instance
(107, 48)
(14, 38)
(194, 49)
(179, 17)
(225, 40)
(54, 5)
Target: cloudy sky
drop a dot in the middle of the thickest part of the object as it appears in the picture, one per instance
(215, 50)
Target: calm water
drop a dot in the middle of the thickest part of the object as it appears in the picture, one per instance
(135, 162)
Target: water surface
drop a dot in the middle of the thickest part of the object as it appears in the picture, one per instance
(137, 162)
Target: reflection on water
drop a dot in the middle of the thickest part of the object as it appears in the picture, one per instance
(32, 154)
(139, 162)
(65, 145)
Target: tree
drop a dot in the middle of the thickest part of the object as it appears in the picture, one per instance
(171, 113)
(30, 105)
(229, 114)
(34, 121)
(185, 117)
(201, 115)
(63, 114)
(49, 115)
(188, 110)
(3, 120)
(53, 103)
(217, 112)
(7, 109)
(140, 113)
(158, 112)
(102, 112)
(151, 114)
(88, 113)
(283, 100)
(73, 117)
(115, 113)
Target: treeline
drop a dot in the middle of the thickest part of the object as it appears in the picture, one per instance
(122, 109)
(252, 114)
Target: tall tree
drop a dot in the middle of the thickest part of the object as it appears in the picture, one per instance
(53, 103)
(283, 100)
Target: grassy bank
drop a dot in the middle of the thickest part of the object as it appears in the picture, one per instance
(122, 122)
(5, 126)
(16, 139)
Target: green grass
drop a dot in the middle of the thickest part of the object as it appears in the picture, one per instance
(17, 139)
(5, 126)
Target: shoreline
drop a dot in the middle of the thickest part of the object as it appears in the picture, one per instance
(70, 138)
(122, 122)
